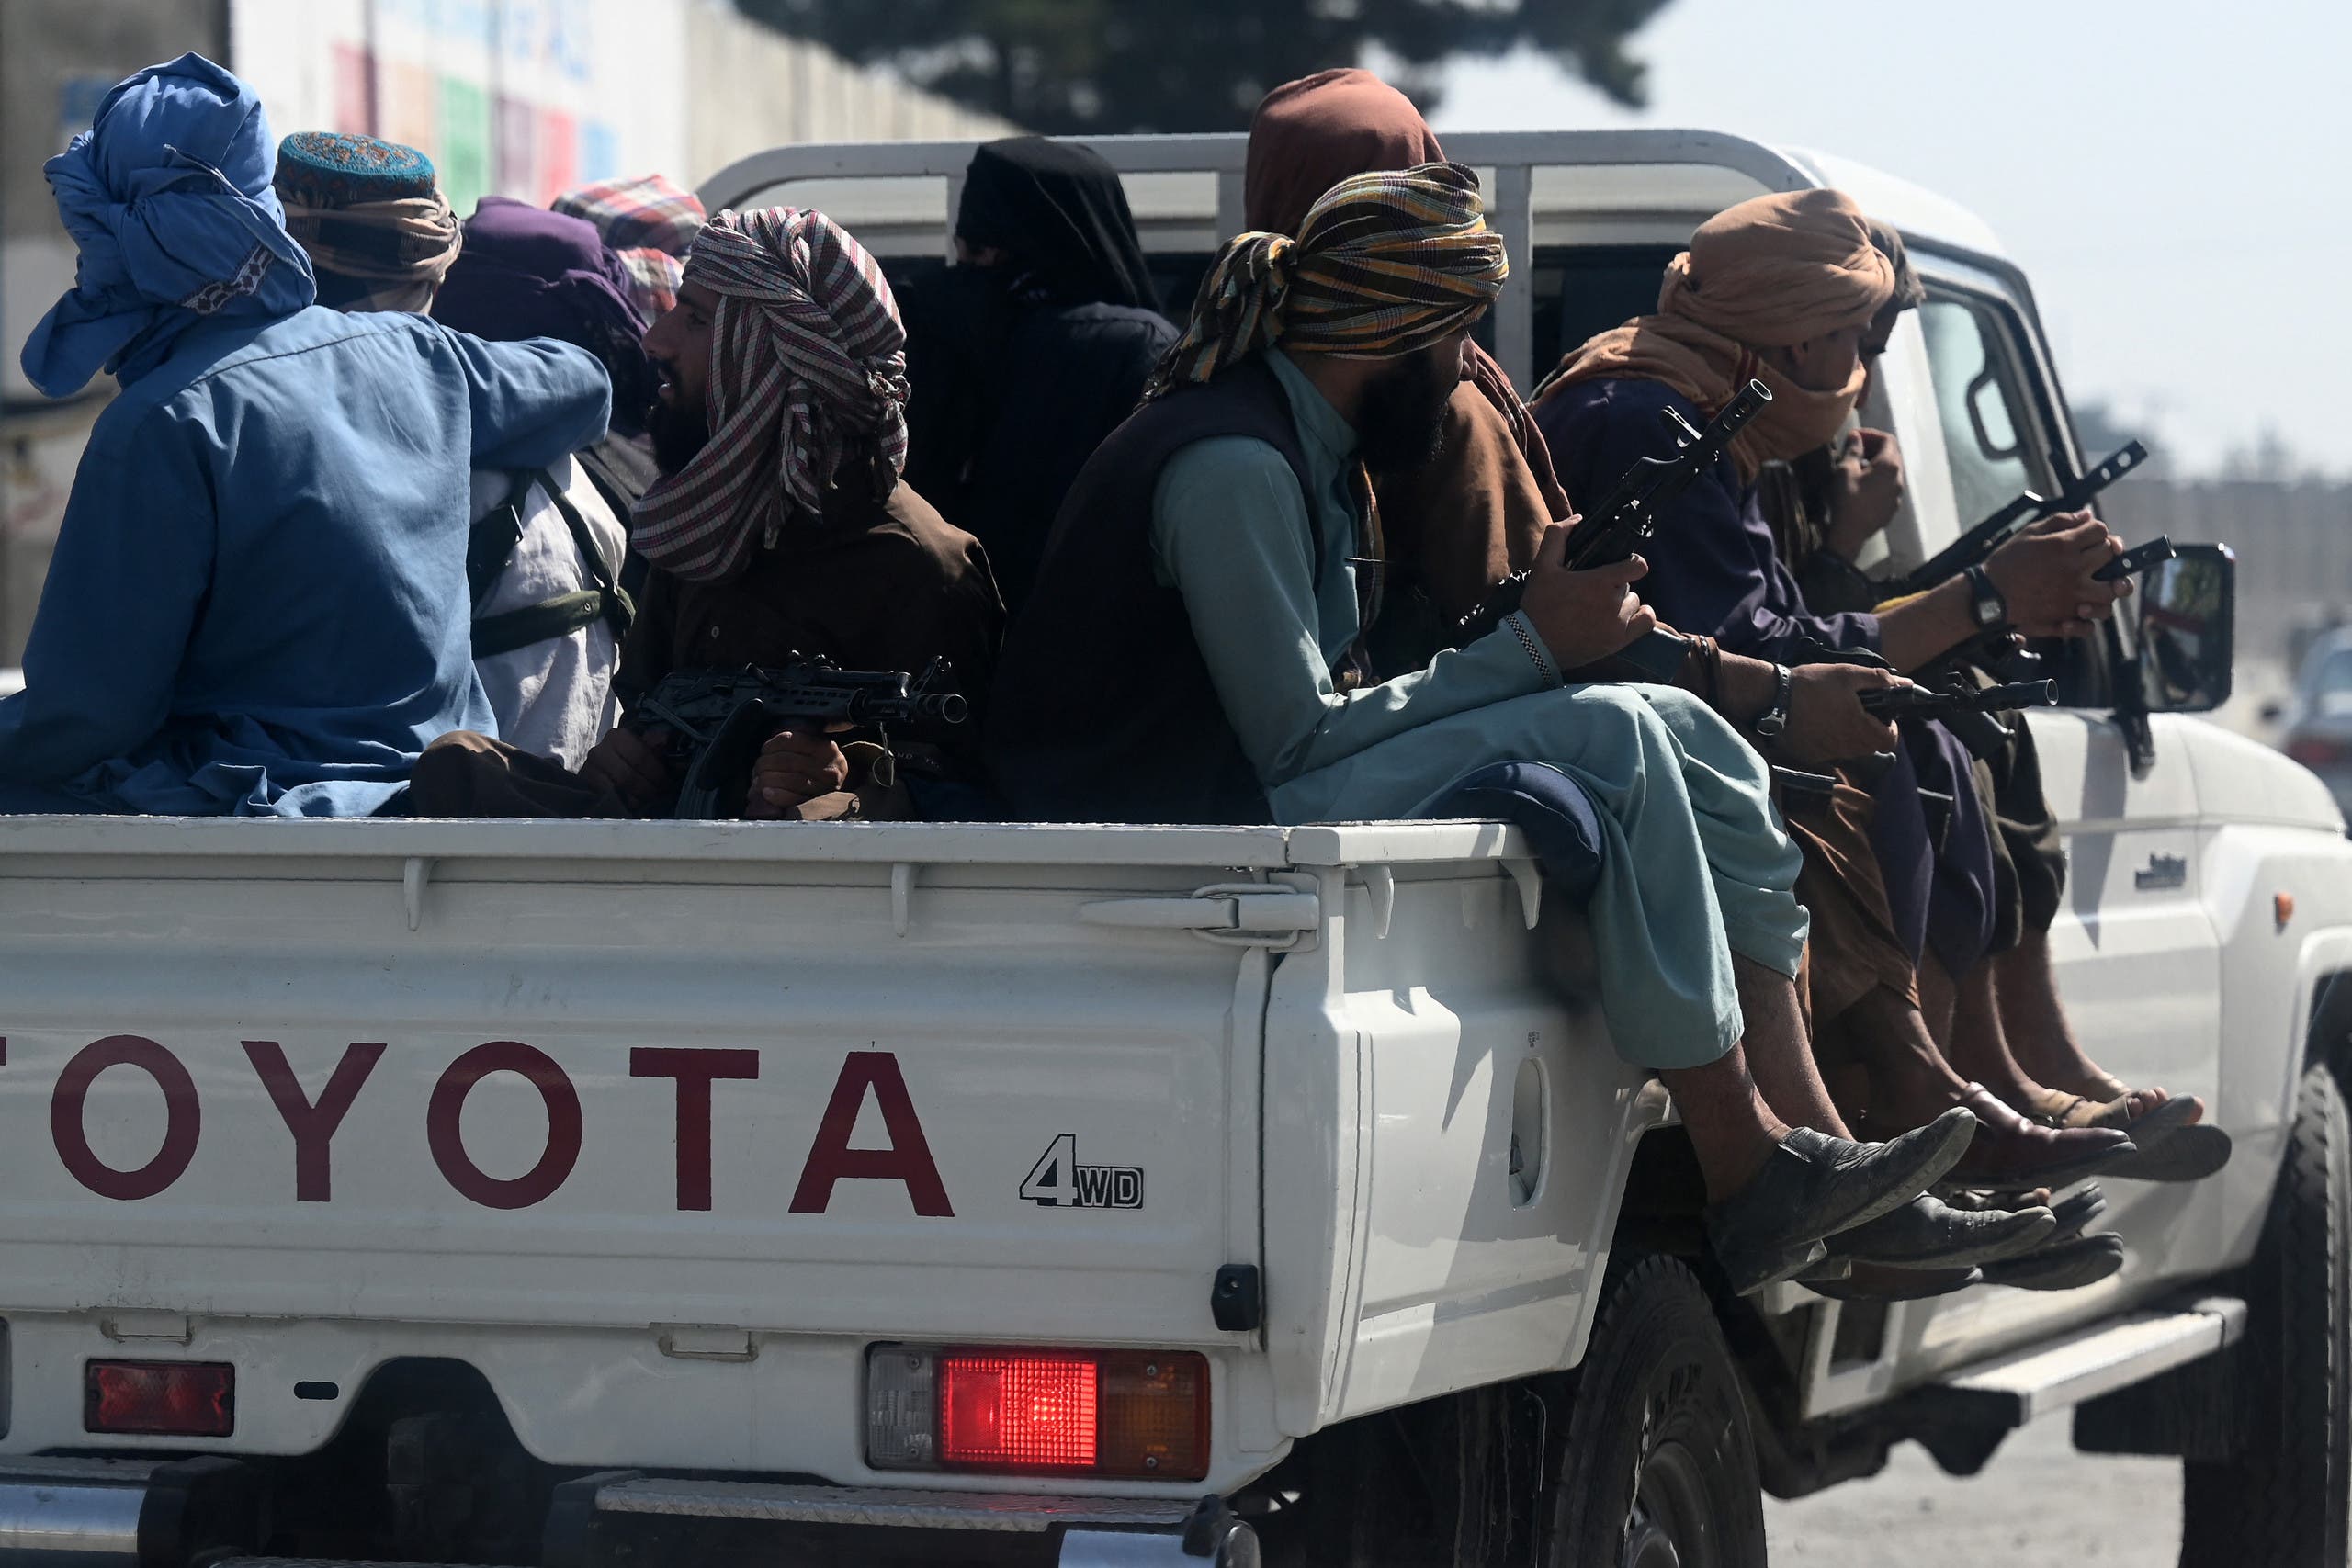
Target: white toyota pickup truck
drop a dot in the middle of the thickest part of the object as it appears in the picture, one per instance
(572, 1193)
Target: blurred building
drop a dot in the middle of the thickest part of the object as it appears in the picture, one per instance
(509, 97)
(2293, 542)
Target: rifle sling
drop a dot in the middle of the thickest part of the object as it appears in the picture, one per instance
(490, 544)
(543, 622)
(490, 548)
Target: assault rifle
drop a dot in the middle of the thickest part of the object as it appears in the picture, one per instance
(1925, 702)
(2133, 562)
(719, 719)
(1971, 548)
(2002, 653)
(1965, 711)
(1939, 693)
(1618, 525)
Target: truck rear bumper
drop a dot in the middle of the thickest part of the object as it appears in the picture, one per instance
(96, 1513)
(90, 1513)
(1063, 1531)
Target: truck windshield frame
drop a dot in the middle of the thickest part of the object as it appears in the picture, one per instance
(2087, 671)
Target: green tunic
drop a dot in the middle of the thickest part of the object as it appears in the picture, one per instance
(1695, 867)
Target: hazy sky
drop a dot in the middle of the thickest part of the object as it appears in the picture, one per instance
(2176, 175)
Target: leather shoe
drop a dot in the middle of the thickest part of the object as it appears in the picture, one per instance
(1924, 1233)
(1870, 1284)
(2075, 1211)
(1813, 1186)
(2068, 1265)
(2012, 1152)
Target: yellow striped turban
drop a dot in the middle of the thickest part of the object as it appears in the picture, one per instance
(1385, 264)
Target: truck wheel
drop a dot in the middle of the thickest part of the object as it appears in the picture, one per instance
(1660, 1463)
(2282, 1501)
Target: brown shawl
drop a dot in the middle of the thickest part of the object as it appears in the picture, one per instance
(1463, 521)
(1770, 273)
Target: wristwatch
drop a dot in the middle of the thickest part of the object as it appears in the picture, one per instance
(1990, 608)
(1776, 718)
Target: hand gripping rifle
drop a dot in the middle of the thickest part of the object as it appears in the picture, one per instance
(719, 719)
(2002, 654)
(1619, 525)
(1971, 548)
(1966, 711)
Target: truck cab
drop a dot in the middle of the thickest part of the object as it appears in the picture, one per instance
(564, 1193)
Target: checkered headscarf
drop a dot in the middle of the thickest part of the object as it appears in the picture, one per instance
(808, 371)
(1384, 263)
(650, 222)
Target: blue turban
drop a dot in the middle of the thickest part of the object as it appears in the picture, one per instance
(167, 195)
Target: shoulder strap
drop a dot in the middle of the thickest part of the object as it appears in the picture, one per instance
(490, 545)
(550, 618)
(542, 621)
(615, 606)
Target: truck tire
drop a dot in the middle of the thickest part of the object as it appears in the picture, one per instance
(2282, 1501)
(1659, 1468)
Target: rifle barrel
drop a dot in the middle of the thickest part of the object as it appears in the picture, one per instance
(1894, 701)
(2021, 513)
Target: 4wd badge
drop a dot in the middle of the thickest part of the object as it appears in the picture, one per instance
(1059, 1181)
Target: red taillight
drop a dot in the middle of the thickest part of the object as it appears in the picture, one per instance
(2313, 752)
(1140, 1415)
(1017, 1411)
(162, 1399)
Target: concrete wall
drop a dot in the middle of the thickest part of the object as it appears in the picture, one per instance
(755, 89)
(2293, 543)
(508, 98)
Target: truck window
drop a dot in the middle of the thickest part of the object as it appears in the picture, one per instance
(1584, 289)
(1998, 420)
(1978, 406)
(1175, 275)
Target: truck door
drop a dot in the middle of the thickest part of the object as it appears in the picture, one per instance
(2138, 956)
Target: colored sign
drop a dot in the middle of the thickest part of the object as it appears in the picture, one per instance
(511, 97)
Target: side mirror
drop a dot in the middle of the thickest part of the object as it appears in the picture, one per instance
(2188, 628)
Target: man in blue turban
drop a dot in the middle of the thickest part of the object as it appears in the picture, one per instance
(257, 603)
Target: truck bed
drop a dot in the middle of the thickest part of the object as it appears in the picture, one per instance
(659, 1125)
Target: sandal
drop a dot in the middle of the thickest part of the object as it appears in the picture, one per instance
(2111, 1099)
(2185, 1153)
(2174, 1142)
(2061, 1110)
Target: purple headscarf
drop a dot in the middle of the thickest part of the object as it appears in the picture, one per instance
(525, 271)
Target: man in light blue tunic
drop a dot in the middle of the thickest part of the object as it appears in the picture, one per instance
(1218, 536)
(257, 603)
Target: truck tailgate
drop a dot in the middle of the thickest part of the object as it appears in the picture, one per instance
(882, 1080)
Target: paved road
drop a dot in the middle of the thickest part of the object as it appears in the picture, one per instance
(2038, 1504)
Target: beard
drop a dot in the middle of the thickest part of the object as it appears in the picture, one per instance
(1400, 423)
(679, 434)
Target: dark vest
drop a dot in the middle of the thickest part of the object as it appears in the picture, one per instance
(1103, 710)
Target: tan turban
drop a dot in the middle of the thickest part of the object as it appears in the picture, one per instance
(1770, 273)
